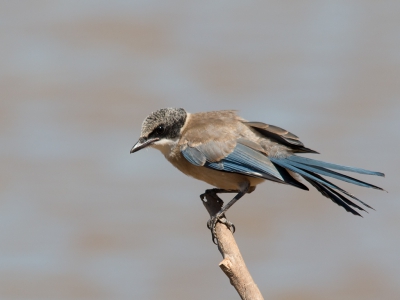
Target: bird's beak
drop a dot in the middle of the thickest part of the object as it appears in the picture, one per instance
(143, 144)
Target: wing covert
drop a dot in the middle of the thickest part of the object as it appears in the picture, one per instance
(193, 155)
(280, 135)
(242, 160)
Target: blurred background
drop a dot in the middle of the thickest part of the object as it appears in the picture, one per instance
(80, 218)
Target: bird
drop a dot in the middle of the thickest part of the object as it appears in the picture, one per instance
(235, 155)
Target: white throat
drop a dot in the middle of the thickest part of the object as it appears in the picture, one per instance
(165, 146)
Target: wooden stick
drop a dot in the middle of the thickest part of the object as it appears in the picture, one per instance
(232, 264)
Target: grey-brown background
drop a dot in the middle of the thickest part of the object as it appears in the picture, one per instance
(80, 218)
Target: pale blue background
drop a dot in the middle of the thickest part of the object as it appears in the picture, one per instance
(80, 218)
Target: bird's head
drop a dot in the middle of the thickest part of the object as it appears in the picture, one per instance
(161, 127)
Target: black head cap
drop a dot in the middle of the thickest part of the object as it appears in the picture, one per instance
(164, 123)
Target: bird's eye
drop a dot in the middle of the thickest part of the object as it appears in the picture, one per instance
(159, 130)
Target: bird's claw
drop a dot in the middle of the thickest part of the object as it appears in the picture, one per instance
(212, 222)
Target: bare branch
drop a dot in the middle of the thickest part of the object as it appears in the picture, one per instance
(232, 264)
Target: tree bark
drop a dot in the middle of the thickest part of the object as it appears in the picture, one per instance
(232, 264)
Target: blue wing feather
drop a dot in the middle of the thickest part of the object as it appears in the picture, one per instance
(248, 161)
(242, 160)
(194, 156)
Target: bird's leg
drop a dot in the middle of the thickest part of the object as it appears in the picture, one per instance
(218, 204)
(220, 216)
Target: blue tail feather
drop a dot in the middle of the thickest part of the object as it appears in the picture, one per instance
(309, 170)
(318, 163)
(341, 190)
(335, 197)
(333, 174)
(286, 164)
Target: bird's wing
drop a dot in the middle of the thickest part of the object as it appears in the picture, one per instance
(212, 136)
(245, 158)
(280, 135)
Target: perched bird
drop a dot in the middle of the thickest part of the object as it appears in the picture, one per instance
(235, 155)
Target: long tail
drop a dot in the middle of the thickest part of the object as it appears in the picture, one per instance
(310, 168)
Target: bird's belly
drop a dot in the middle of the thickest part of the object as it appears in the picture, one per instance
(222, 180)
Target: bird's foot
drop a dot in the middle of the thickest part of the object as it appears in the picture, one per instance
(215, 204)
(212, 222)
